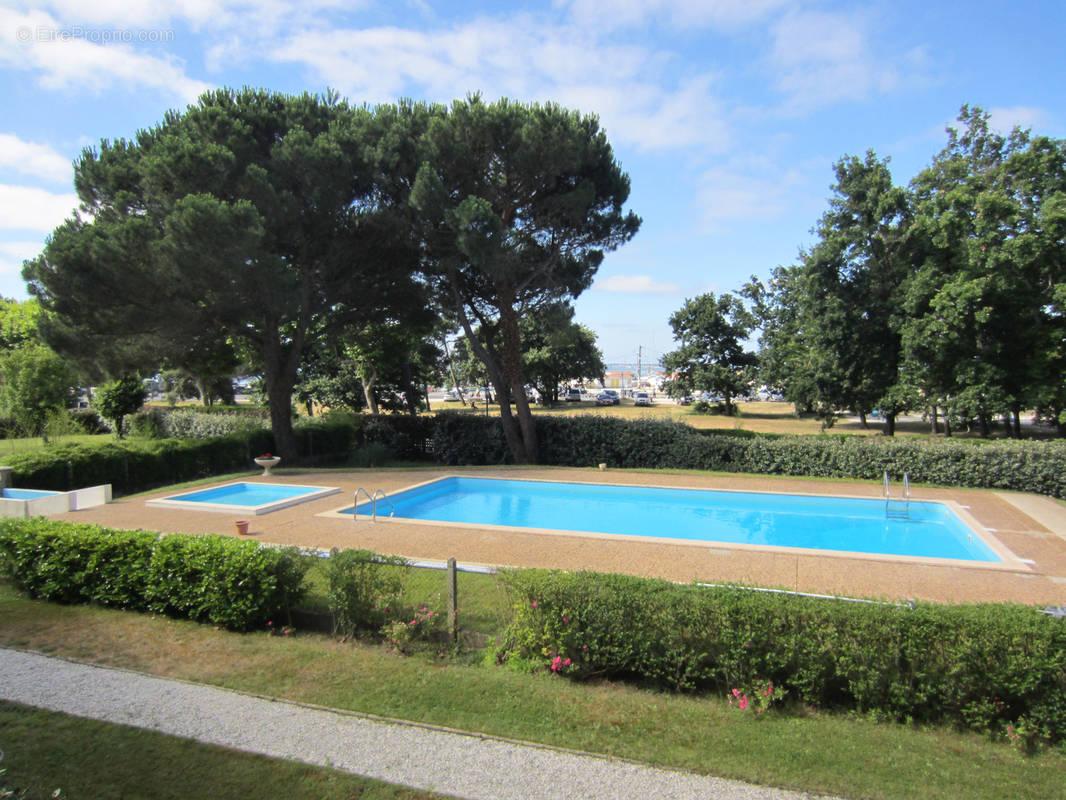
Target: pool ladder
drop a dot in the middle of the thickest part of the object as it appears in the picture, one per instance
(897, 511)
(379, 494)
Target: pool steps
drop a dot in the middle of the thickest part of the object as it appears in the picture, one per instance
(379, 494)
(897, 511)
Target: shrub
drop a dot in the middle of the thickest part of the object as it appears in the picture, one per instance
(199, 424)
(978, 666)
(148, 424)
(88, 421)
(237, 584)
(364, 588)
(469, 439)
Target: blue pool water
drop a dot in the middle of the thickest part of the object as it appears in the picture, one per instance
(824, 523)
(254, 498)
(245, 494)
(26, 494)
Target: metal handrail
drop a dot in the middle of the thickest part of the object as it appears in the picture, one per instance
(385, 497)
(886, 491)
(369, 498)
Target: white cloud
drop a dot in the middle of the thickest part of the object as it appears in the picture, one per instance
(12, 254)
(729, 195)
(28, 208)
(683, 14)
(65, 56)
(1005, 119)
(207, 15)
(38, 160)
(635, 284)
(628, 87)
(822, 58)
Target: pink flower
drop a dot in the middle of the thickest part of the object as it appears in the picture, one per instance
(566, 663)
(565, 619)
(557, 662)
(534, 604)
(743, 702)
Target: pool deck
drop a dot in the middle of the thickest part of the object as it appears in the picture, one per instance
(1031, 527)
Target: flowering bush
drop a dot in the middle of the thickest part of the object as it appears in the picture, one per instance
(982, 666)
(558, 664)
(759, 697)
(283, 630)
(414, 627)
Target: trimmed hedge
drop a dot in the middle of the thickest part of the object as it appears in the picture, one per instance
(977, 666)
(1026, 466)
(236, 584)
(135, 466)
(458, 439)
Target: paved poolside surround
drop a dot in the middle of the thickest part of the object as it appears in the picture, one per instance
(1031, 527)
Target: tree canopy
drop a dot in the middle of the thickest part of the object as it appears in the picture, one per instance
(947, 295)
(251, 215)
(712, 331)
(516, 206)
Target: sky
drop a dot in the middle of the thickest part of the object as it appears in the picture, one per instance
(727, 115)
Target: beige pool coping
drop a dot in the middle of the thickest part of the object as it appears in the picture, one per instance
(1030, 528)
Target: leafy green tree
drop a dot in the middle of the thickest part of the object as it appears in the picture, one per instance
(19, 323)
(712, 331)
(783, 363)
(37, 385)
(852, 282)
(516, 207)
(985, 320)
(558, 350)
(120, 398)
(255, 216)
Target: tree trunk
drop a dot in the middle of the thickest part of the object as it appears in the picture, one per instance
(862, 420)
(983, 425)
(279, 373)
(515, 378)
(1016, 422)
(890, 423)
(510, 429)
(934, 424)
(368, 394)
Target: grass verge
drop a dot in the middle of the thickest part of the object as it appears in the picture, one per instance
(824, 753)
(45, 751)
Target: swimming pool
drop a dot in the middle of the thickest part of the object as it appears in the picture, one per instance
(245, 498)
(850, 525)
(26, 494)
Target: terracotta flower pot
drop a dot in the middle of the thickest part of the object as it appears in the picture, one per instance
(242, 527)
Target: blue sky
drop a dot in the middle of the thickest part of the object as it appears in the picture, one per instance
(727, 114)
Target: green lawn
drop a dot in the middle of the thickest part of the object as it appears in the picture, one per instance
(44, 752)
(828, 753)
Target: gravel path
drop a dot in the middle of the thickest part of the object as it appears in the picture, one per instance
(449, 762)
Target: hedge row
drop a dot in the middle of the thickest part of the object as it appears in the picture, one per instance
(138, 465)
(979, 666)
(236, 584)
(1028, 466)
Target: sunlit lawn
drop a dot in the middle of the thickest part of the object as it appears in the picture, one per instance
(827, 753)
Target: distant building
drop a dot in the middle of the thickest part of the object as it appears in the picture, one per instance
(619, 379)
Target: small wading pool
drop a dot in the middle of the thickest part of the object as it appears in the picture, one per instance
(245, 498)
(849, 525)
(26, 494)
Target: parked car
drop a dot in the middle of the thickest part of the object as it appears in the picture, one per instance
(641, 399)
(573, 395)
(615, 399)
(604, 399)
(686, 400)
